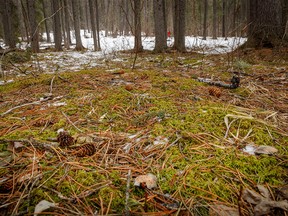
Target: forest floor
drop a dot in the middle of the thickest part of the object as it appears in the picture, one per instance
(157, 118)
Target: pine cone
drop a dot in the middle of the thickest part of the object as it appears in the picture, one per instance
(65, 139)
(85, 150)
(214, 91)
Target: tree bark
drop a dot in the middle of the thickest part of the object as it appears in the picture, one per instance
(76, 17)
(214, 34)
(67, 24)
(57, 25)
(205, 19)
(93, 24)
(179, 25)
(34, 36)
(137, 27)
(45, 13)
(97, 24)
(265, 24)
(6, 9)
(224, 17)
(160, 25)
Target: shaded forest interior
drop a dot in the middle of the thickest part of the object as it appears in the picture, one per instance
(144, 107)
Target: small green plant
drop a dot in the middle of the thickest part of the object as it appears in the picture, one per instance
(241, 65)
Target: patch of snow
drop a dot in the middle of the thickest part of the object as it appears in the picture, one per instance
(58, 104)
(4, 82)
(249, 149)
(73, 60)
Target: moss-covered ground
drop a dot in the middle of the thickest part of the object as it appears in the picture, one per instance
(156, 118)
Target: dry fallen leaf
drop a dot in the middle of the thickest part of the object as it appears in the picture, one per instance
(43, 205)
(263, 205)
(269, 150)
(150, 180)
(222, 210)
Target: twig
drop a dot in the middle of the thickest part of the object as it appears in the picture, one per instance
(27, 104)
(71, 122)
(127, 211)
(51, 85)
(134, 61)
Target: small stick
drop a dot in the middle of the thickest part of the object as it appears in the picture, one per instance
(51, 85)
(127, 211)
(22, 105)
(71, 122)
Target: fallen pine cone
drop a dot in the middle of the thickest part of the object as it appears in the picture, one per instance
(84, 150)
(214, 91)
(64, 139)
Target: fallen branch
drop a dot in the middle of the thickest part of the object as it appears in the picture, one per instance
(71, 122)
(127, 211)
(22, 105)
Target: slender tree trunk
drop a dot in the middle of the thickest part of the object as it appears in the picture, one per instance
(88, 24)
(224, 14)
(63, 25)
(127, 28)
(214, 36)
(34, 36)
(205, 19)
(107, 4)
(179, 25)
(137, 27)
(285, 18)
(44, 5)
(67, 24)
(76, 16)
(93, 25)
(160, 25)
(6, 8)
(97, 24)
(57, 25)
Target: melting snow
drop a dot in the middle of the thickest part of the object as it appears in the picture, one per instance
(73, 61)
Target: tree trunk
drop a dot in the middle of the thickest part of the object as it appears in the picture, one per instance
(127, 26)
(214, 34)
(285, 18)
(63, 24)
(179, 25)
(107, 4)
(6, 8)
(205, 19)
(224, 15)
(76, 17)
(93, 25)
(266, 28)
(34, 36)
(160, 25)
(57, 25)
(67, 24)
(97, 24)
(137, 27)
(44, 5)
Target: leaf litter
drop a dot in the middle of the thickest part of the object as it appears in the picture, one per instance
(159, 127)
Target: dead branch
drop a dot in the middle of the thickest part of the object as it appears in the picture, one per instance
(71, 122)
(22, 105)
(127, 211)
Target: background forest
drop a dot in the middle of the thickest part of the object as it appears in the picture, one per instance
(30, 20)
(144, 107)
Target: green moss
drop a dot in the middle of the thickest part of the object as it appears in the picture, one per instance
(116, 197)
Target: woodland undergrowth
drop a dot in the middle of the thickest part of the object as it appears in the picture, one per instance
(157, 118)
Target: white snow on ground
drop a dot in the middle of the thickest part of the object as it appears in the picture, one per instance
(70, 60)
